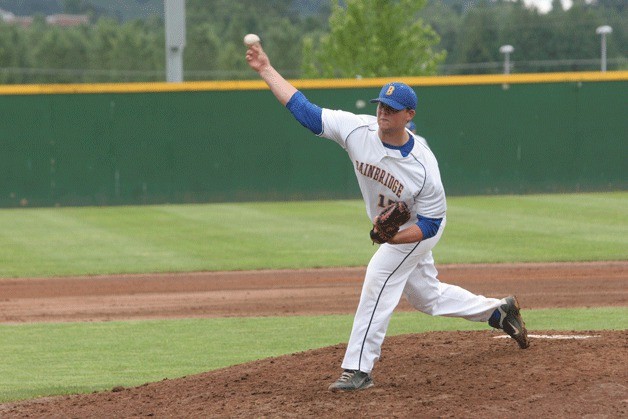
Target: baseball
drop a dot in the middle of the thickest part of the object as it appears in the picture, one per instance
(251, 39)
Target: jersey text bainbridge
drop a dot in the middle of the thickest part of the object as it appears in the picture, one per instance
(381, 176)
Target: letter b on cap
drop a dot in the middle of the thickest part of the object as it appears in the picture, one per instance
(390, 90)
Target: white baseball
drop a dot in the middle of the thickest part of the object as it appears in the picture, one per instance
(251, 39)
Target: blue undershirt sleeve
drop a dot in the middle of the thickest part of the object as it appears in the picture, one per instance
(308, 114)
(429, 226)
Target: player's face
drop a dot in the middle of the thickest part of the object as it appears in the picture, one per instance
(390, 118)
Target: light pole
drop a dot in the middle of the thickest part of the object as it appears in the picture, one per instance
(506, 50)
(603, 31)
(175, 39)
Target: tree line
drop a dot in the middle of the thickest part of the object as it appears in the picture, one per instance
(351, 38)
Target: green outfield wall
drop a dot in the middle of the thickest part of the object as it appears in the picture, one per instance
(109, 144)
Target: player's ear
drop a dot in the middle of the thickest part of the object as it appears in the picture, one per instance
(411, 113)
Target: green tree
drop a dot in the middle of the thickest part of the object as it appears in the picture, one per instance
(617, 6)
(306, 38)
(103, 42)
(140, 46)
(12, 54)
(215, 29)
(63, 51)
(284, 44)
(478, 41)
(374, 38)
(615, 14)
(201, 50)
(579, 31)
(532, 35)
(446, 22)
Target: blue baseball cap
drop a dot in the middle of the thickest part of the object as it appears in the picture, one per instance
(397, 95)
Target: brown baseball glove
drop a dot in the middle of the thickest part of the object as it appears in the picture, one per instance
(387, 223)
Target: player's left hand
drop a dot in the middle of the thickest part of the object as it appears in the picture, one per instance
(386, 225)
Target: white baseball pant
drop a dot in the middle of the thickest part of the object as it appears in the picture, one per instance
(407, 269)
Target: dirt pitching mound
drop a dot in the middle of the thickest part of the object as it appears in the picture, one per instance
(459, 374)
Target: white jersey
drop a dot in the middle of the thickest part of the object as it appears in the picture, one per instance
(383, 174)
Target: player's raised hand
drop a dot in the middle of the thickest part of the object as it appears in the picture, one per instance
(256, 57)
(258, 61)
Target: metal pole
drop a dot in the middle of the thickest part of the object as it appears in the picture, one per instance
(175, 39)
(603, 31)
(603, 52)
(506, 50)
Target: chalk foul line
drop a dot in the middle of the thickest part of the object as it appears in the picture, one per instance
(553, 336)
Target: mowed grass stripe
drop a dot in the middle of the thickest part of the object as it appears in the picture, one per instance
(270, 235)
(542, 228)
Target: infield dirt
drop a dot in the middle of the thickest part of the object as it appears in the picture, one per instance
(460, 374)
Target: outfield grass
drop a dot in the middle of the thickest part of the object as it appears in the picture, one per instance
(175, 238)
(45, 359)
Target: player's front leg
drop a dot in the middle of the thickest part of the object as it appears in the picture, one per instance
(383, 285)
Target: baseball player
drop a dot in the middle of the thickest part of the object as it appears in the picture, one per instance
(391, 165)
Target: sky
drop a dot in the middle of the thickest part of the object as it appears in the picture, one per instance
(544, 5)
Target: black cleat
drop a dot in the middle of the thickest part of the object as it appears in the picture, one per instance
(352, 380)
(510, 321)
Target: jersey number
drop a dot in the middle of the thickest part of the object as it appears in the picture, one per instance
(382, 201)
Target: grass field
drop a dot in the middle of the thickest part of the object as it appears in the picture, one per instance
(176, 238)
(45, 359)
